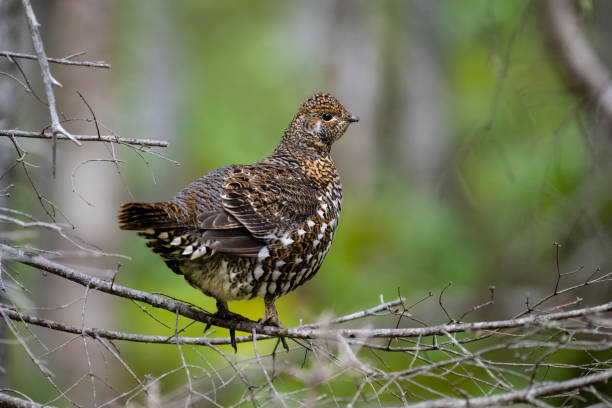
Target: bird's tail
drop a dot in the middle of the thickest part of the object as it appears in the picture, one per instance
(142, 216)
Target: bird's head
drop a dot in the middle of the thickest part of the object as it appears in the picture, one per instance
(320, 122)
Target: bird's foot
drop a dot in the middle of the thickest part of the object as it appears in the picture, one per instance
(271, 319)
(224, 314)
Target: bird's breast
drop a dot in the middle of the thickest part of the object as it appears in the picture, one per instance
(293, 256)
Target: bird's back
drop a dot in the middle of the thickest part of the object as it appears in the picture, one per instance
(244, 231)
(258, 230)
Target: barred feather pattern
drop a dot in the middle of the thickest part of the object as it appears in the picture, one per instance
(258, 230)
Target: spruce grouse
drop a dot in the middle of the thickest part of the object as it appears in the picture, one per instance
(258, 230)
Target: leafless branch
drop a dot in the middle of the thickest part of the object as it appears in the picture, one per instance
(47, 78)
(64, 60)
(9, 401)
(37, 261)
(523, 395)
(85, 138)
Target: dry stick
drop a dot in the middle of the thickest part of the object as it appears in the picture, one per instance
(44, 370)
(8, 401)
(238, 372)
(89, 365)
(523, 395)
(47, 79)
(64, 60)
(115, 335)
(139, 338)
(14, 78)
(111, 150)
(263, 368)
(589, 281)
(479, 362)
(187, 371)
(357, 315)
(83, 163)
(28, 86)
(42, 199)
(90, 111)
(37, 261)
(84, 138)
(59, 229)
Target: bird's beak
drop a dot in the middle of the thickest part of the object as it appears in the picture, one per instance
(353, 118)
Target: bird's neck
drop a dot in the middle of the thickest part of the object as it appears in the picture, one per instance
(311, 163)
(301, 146)
(298, 153)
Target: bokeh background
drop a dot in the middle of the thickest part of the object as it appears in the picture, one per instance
(471, 159)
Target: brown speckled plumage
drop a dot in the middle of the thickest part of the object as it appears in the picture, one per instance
(258, 230)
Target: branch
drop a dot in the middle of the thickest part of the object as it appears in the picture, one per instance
(585, 69)
(206, 341)
(527, 394)
(115, 335)
(8, 401)
(84, 138)
(48, 80)
(37, 261)
(64, 60)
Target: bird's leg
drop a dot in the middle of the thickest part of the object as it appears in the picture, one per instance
(271, 315)
(271, 318)
(224, 313)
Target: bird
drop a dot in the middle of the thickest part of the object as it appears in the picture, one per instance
(256, 230)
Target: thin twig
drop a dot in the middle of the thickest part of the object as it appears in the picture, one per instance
(523, 395)
(47, 78)
(85, 138)
(263, 368)
(63, 60)
(28, 85)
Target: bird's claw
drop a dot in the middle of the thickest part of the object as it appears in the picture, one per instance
(273, 321)
(225, 314)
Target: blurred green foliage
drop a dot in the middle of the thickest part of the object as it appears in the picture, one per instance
(520, 175)
(519, 158)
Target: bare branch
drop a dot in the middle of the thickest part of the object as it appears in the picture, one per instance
(37, 261)
(85, 138)
(207, 341)
(64, 60)
(47, 78)
(523, 395)
(8, 401)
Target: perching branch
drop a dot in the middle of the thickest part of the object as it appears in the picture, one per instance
(37, 261)
(465, 351)
(207, 341)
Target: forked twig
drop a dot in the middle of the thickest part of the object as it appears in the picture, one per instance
(47, 78)
(64, 61)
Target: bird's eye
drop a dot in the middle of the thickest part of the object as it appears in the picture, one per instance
(327, 116)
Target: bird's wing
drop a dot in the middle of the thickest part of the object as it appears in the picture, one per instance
(267, 199)
(226, 234)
